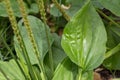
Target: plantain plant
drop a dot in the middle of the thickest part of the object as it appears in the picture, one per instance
(90, 38)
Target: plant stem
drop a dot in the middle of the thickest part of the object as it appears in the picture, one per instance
(112, 51)
(79, 76)
(32, 39)
(43, 16)
(108, 18)
(18, 34)
(61, 10)
(50, 50)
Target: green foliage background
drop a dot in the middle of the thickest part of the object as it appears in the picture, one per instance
(90, 38)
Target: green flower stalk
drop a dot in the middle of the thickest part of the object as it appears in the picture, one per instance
(12, 20)
(31, 36)
(13, 23)
(42, 10)
(18, 36)
(43, 17)
(26, 22)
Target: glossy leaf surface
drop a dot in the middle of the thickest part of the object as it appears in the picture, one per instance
(84, 38)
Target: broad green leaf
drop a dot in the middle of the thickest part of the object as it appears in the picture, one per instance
(11, 70)
(84, 38)
(65, 70)
(38, 29)
(112, 5)
(33, 8)
(57, 53)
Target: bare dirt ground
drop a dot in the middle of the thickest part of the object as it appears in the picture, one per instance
(104, 74)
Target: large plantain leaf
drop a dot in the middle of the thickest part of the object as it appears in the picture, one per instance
(112, 5)
(84, 38)
(65, 70)
(11, 70)
(38, 29)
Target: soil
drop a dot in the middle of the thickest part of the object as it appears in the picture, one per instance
(104, 74)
